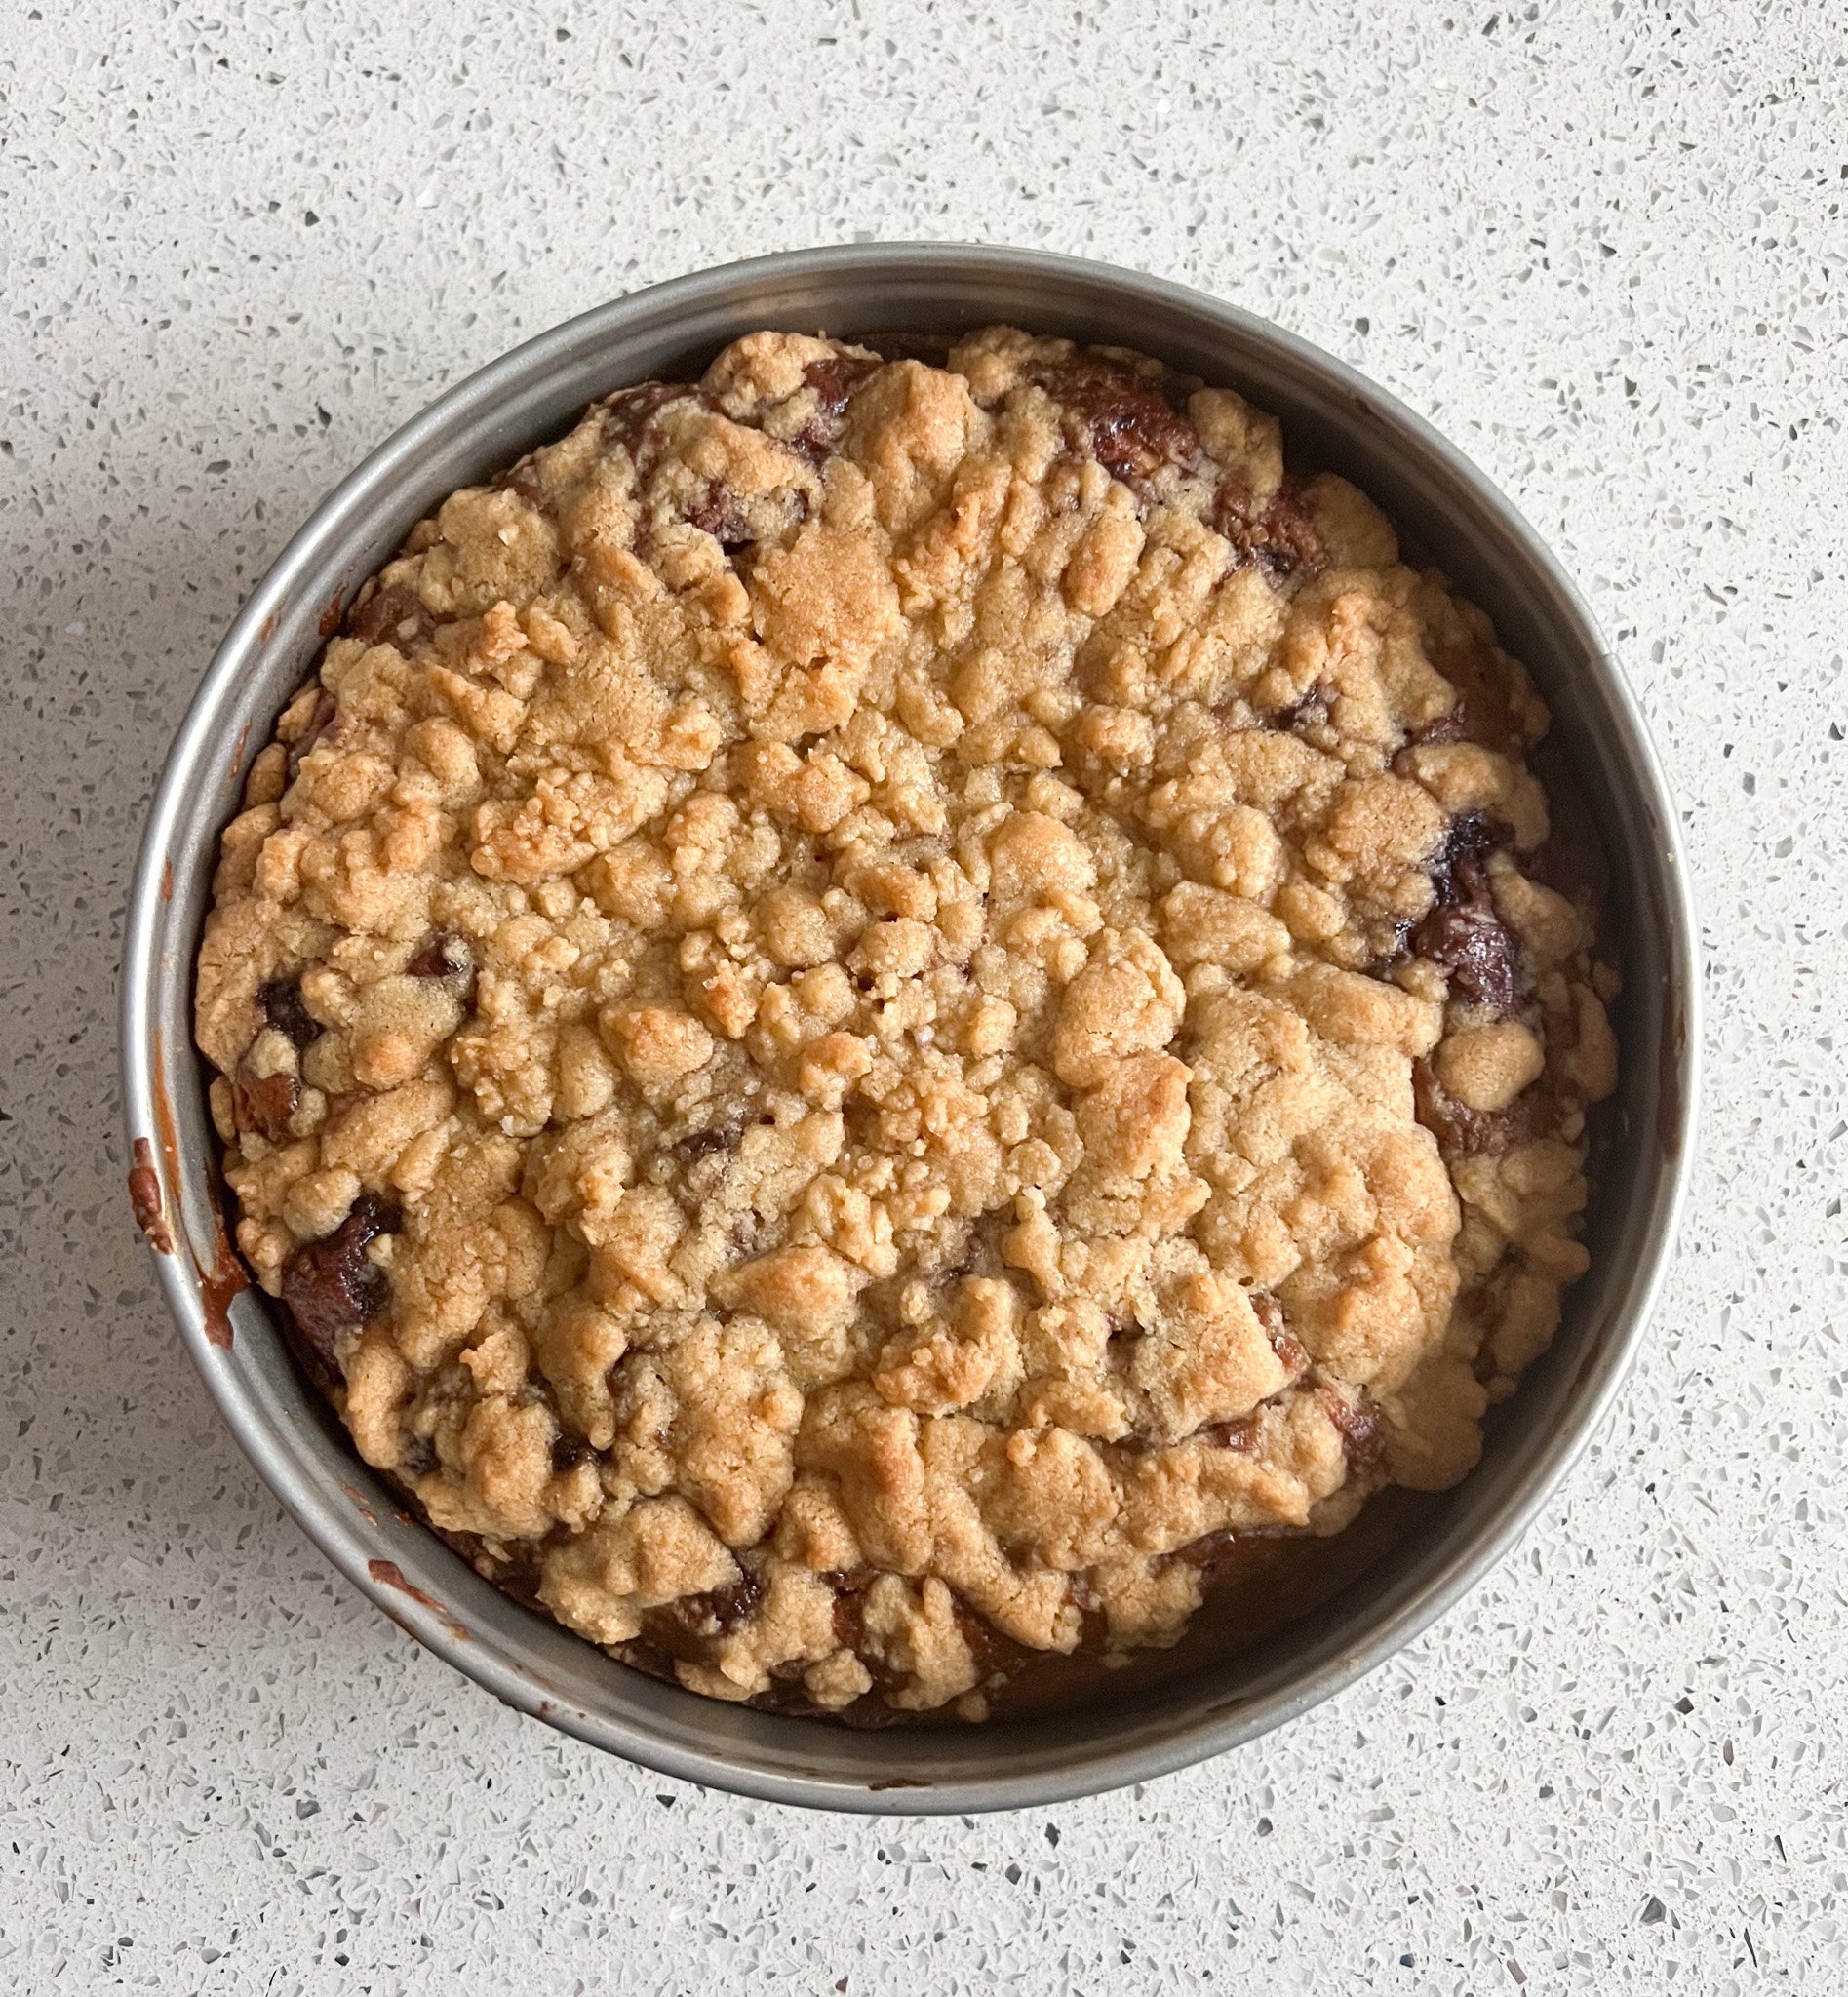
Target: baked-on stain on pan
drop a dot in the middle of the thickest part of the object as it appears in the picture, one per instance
(226, 1278)
(144, 1196)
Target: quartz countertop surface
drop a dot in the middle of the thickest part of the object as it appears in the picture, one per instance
(1602, 246)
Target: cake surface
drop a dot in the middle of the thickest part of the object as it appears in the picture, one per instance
(872, 1002)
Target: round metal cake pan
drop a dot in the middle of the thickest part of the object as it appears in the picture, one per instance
(1333, 418)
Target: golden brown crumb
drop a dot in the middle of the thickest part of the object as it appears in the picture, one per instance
(868, 998)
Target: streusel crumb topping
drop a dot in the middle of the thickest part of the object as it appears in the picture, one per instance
(869, 1000)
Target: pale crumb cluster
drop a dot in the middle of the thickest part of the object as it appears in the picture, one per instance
(869, 998)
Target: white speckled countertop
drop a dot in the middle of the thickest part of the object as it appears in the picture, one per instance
(1604, 247)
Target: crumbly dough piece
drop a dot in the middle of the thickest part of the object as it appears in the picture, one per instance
(870, 998)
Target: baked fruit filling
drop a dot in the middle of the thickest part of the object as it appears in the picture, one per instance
(872, 1006)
